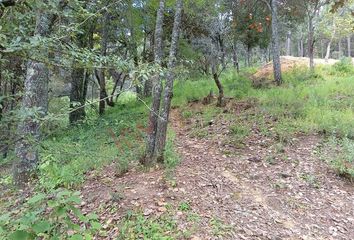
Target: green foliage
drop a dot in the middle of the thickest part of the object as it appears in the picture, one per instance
(136, 226)
(219, 227)
(339, 153)
(49, 216)
(172, 159)
(344, 66)
(66, 156)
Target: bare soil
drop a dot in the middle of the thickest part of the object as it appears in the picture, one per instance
(258, 191)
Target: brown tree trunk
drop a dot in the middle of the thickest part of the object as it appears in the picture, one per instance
(221, 101)
(311, 43)
(275, 44)
(156, 90)
(168, 92)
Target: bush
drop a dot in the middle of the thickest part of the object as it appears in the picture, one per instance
(345, 66)
(49, 216)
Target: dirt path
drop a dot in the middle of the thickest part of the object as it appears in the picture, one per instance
(296, 198)
(237, 194)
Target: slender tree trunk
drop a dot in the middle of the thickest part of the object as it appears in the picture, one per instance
(161, 135)
(248, 61)
(157, 89)
(288, 44)
(349, 46)
(322, 47)
(275, 44)
(101, 73)
(311, 43)
(35, 98)
(340, 50)
(328, 51)
(79, 82)
(77, 95)
(235, 57)
(221, 101)
(298, 49)
(222, 50)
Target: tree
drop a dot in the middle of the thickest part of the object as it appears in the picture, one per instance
(275, 43)
(156, 90)
(35, 101)
(168, 91)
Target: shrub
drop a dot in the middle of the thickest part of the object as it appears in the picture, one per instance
(49, 216)
(345, 65)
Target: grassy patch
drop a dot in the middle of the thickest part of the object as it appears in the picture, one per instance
(117, 137)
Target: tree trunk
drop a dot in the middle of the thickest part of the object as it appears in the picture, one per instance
(340, 50)
(220, 102)
(79, 82)
(77, 95)
(235, 57)
(248, 60)
(101, 75)
(328, 51)
(349, 46)
(275, 44)
(35, 99)
(157, 89)
(322, 49)
(288, 44)
(161, 135)
(298, 48)
(310, 44)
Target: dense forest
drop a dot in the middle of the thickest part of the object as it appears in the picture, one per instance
(176, 119)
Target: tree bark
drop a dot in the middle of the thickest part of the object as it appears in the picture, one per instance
(161, 135)
(78, 95)
(157, 89)
(79, 83)
(349, 46)
(275, 44)
(311, 43)
(328, 51)
(101, 73)
(248, 59)
(340, 50)
(35, 99)
(235, 57)
(221, 101)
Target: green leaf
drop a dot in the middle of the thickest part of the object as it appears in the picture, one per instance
(96, 225)
(41, 227)
(20, 235)
(76, 237)
(37, 198)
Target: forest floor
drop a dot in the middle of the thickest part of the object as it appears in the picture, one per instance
(260, 188)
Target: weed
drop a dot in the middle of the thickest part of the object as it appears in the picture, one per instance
(137, 226)
(49, 216)
(311, 180)
(339, 153)
(219, 228)
(184, 206)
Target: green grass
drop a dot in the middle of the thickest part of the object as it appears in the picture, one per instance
(117, 137)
